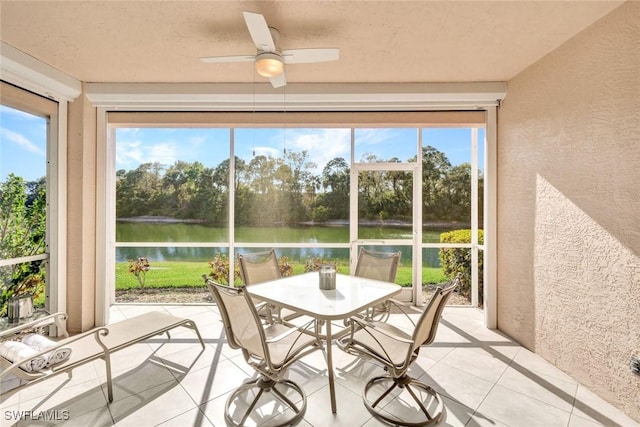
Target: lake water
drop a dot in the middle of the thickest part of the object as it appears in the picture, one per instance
(181, 232)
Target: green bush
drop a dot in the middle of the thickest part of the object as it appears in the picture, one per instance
(320, 213)
(314, 264)
(220, 269)
(458, 260)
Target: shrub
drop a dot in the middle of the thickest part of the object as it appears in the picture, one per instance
(285, 268)
(220, 269)
(458, 260)
(314, 264)
(320, 213)
(27, 279)
(139, 269)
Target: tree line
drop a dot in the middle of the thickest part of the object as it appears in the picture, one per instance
(288, 190)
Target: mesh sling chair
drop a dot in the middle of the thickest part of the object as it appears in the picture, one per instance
(378, 266)
(396, 350)
(269, 349)
(258, 267)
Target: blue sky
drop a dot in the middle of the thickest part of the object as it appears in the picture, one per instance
(23, 144)
(211, 146)
(23, 139)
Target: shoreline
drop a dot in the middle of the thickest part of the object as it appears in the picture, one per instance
(150, 219)
(159, 219)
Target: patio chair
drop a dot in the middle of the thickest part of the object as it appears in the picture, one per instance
(258, 267)
(269, 349)
(381, 266)
(396, 350)
(97, 343)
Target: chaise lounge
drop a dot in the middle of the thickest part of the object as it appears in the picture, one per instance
(98, 343)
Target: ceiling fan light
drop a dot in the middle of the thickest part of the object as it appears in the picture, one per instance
(269, 65)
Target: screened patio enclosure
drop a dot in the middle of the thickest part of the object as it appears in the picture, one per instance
(314, 186)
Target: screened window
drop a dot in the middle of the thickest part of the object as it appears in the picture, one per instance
(314, 189)
(289, 179)
(376, 145)
(24, 189)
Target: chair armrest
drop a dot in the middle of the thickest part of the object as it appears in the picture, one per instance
(365, 324)
(301, 329)
(294, 348)
(355, 347)
(57, 319)
(404, 309)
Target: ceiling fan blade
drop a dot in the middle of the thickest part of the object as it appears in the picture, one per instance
(237, 58)
(302, 56)
(259, 31)
(278, 81)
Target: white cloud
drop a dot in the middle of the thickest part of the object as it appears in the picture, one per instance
(322, 145)
(374, 136)
(130, 154)
(164, 153)
(22, 141)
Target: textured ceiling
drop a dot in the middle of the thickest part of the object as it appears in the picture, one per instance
(385, 41)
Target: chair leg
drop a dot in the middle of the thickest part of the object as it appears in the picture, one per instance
(423, 417)
(192, 325)
(251, 406)
(107, 362)
(261, 387)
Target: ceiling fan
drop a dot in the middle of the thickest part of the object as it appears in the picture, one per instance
(269, 60)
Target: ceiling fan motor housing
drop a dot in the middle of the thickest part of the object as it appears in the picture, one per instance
(269, 64)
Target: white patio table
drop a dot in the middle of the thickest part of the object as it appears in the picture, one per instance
(302, 294)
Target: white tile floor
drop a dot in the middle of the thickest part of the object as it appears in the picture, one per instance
(485, 380)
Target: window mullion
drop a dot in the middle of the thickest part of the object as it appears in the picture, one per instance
(474, 217)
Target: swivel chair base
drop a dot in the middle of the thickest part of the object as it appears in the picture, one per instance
(424, 417)
(259, 387)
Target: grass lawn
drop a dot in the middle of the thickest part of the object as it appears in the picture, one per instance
(166, 274)
(182, 274)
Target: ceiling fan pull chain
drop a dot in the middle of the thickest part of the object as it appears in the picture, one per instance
(284, 109)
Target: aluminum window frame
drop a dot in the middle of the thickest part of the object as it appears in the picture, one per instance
(367, 120)
(338, 100)
(55, 113)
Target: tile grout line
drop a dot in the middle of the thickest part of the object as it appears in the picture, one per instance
(492, 387)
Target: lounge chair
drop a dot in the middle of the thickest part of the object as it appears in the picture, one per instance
(98, 343)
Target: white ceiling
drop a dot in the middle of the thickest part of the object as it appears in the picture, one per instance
(380, 42)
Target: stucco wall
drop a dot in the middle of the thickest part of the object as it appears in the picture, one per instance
(569, 207)
(81, 214)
